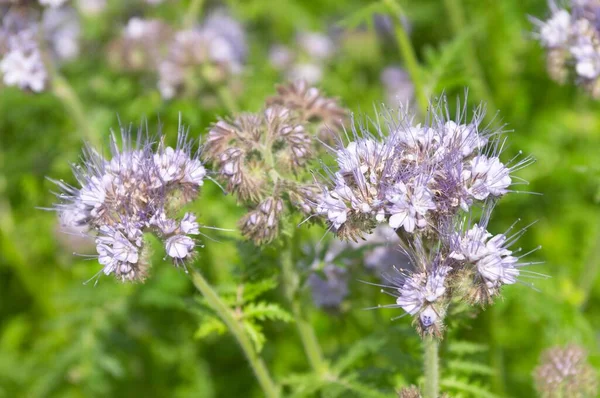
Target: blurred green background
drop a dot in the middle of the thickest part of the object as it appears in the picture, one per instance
(61, 338)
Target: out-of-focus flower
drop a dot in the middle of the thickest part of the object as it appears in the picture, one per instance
(564, 372)
(306, 59)
(206, 55)
(142, 45)
(140, 189)
(329, 287)
(52, 3)
(62, 32)
(571, 36)
(22, 64)
(397, 85)
(263, 157)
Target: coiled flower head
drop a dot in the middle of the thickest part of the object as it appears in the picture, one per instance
(263, 157)
(564, 372)
(414, 176)
(140, 188)
(421, 180)
(571, 37)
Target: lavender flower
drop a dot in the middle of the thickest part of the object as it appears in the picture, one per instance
(397, 85)
(22, 64)
(212, 53)
(310, 54)
(142, 45)
(420, 180)
(138, 190)
(62, 31)
(564, 372)
(412, 176)
(572, 39)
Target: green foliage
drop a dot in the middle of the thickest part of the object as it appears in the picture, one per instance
(61, 338)
(250, 313)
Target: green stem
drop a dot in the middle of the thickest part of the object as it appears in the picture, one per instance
(410, 59)
(226, 99)
(256, 362)
(192, 14)
(456, 13)
(590, 271)
(310, 343)
(431, 364)
(71, 101)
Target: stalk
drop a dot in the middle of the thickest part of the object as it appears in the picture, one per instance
(431, 365)
(256, 362)
(410, 59)
(193, 13)
(456, 13)
(73, 104)
(309, 340)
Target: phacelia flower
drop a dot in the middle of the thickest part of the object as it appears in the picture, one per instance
(425, 181)
(142, 46)
(571, 37)
(212, 53)
(22, 64)
(263, 158)
(564, 372)
(305, 59)
(412, 176)
(139, 189)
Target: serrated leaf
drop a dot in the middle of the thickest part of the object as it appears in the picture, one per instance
(263, 310)
(357, 351)
(469, 367)
(256, 335)
(208, 326)
(464, 386)
(466, 348)
(254, 289)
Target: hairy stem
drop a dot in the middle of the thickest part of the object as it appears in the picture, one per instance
(455, 11)
(256, 362)
(410, 59)
(310, 343)
(431, 365)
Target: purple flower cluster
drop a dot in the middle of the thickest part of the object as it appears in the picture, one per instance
(571, 37)
(420, 179)
(138, 189)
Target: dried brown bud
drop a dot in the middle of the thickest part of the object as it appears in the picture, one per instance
(261, 225)
(311, 106)
(409, 392)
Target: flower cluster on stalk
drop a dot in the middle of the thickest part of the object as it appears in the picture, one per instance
(565, 372)
(421, 179)
(140, 188)
(571, 37)
(190, 61)
(32, 41)
(263, 157)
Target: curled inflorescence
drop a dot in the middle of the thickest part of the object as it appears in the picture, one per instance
(263, 157)
(571, 36)
(564, 372)
(140, 188)
(420, 179)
